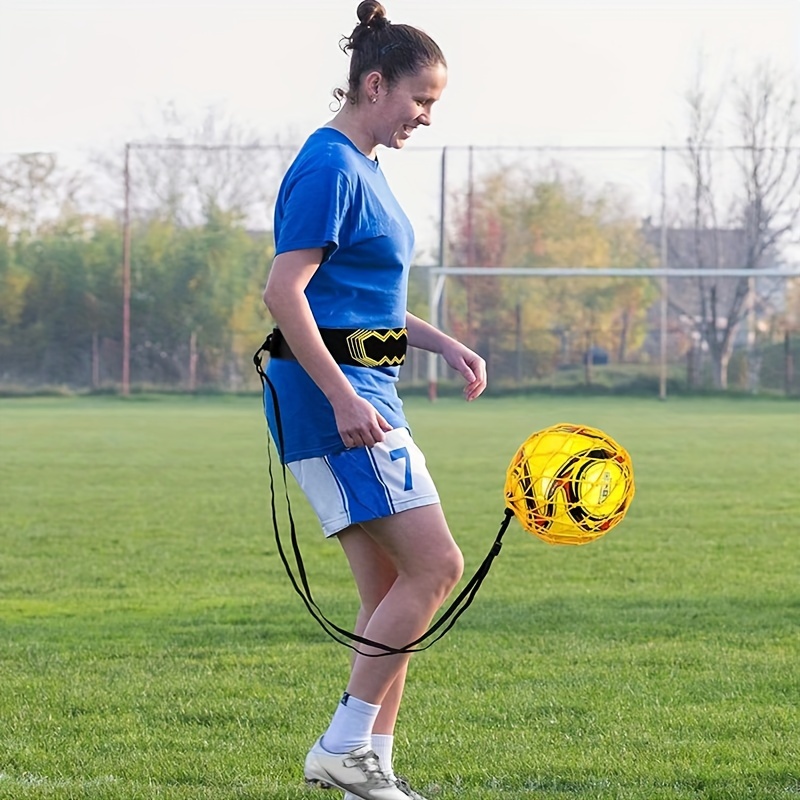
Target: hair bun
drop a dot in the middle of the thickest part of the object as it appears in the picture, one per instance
(371, 14)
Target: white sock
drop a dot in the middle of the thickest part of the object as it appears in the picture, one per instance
(382, 744)
(351, 726)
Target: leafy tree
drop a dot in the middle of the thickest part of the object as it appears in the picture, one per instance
(194, 291)
(55, 325)
(518, 219)
(12, 291)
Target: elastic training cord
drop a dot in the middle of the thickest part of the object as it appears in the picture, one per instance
(300, 584)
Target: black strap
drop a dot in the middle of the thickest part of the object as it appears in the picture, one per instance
(301, 586)
(356, 347)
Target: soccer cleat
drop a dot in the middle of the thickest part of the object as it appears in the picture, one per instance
(400, 783)
(358, 772)
(403, 786)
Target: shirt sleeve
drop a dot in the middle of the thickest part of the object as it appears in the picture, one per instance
(312, 210)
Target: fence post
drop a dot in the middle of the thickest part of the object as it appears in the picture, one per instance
(433, 315)
(588, 358)
(126, 279)
(664, 259)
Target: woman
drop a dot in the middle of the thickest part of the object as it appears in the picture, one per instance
(337, 291)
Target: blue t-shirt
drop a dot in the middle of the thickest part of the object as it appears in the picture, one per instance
(335, 198)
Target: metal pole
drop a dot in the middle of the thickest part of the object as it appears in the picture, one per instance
(433, 315)
(126, 279)
(434, 297)
(662, 380)
(444, 322)
(752, 374)
(443, 208)
(471, 210)
(435, 288)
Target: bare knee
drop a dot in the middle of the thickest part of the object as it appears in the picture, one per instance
(422, 550)
(438, 576)
(453, 568)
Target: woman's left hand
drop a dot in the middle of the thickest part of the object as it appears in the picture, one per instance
(471, 366)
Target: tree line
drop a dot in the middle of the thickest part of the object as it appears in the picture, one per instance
(195, 308)
(201, 251)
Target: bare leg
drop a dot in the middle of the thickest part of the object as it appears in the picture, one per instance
(419, 547)
(404, 566)
(374, 574)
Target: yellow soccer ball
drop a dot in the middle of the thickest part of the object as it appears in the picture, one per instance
(569, 484)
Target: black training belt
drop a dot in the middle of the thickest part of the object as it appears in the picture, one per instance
(354, 347)
(276, 346)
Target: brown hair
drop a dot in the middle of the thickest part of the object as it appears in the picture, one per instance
(392, 50)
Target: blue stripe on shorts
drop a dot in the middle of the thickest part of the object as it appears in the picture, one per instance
(363, 483)
(366, 493)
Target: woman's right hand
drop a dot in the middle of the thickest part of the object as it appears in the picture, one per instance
(359, 424)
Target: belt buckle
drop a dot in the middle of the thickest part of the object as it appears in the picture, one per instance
(357, 347)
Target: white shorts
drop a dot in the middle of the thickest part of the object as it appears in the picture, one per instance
(366, 482)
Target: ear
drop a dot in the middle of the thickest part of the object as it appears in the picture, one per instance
(373, 83)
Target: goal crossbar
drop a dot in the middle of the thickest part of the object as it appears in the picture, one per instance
(617, 272)
(438, 274)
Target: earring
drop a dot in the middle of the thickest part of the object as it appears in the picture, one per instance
(375, 99)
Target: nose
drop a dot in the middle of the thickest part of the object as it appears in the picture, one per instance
(424, 118)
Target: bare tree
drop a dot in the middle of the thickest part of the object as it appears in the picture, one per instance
(186, 167)
(742, 225)
(34, 188)
(769, 162)
(215, 164)
(705, 247)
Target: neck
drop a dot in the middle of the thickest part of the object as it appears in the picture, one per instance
(350, 122)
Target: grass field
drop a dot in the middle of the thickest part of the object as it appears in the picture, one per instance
(152, 646)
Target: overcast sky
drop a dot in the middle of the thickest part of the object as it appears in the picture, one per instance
(76, 74)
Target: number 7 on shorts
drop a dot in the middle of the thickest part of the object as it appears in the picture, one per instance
(396, 455)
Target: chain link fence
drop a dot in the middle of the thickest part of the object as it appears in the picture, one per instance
(153, 262)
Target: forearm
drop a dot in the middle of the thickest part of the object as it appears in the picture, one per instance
(472, 367)
(425, 336)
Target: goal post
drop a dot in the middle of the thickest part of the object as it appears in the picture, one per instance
(437, 276)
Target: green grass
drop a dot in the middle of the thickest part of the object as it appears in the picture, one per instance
(151, 645)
